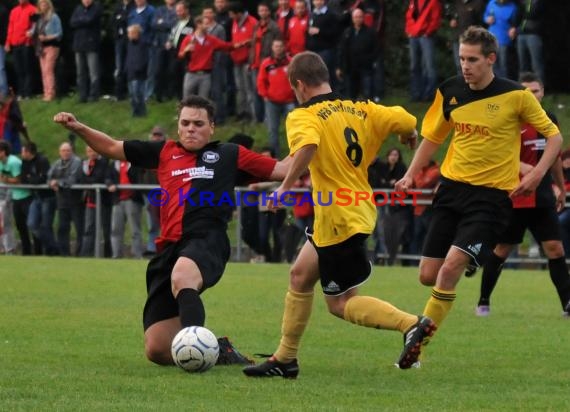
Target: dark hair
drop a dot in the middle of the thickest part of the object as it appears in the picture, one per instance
(395, 149)
(5, 147)
(242, 139)
(31, 148)
(529, 77)
(266, 4)
(309, 68)
(198, 102)
(477, 35)
(184, 3)
(268, 149)
(236, 7)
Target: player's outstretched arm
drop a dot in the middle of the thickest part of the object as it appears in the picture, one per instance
(281, 169)
(423, 155)
(97, 140)
(531, 180)
(298, 166)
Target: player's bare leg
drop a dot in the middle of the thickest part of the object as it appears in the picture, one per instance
(158, 340)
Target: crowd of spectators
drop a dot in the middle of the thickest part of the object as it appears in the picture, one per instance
(239, 60)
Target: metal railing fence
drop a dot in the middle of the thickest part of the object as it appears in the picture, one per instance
(98, 188)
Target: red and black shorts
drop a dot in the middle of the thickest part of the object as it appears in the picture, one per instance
(210, 251)
(470, 218)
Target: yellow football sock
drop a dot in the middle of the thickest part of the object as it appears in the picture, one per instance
(376, 313)
(439, 304)
(296, 315)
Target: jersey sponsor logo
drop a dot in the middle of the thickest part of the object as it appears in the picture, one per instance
(492, 110)
(210, 157)
(174, 157)
(537, 144)
(194, 173)
(474, 129)
(453, 101)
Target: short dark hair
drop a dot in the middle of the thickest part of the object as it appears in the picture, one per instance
(529, 77)
(184, 3)
(198, 102)
(31, 148)
(269, 150)
(265, 4)
(236, 7)
(477, 35)
(242, 139)
(309, 68)
(5, 147)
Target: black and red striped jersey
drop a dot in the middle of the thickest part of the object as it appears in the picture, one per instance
(532, 148)
(196, 188)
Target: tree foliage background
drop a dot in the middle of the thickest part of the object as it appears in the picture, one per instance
(556, 42)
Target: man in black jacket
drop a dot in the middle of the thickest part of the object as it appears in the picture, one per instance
(3, 29)
(119, 28)
(86, 24)
(35, 167)
(529, 37)
(356, 56)
(322, 35)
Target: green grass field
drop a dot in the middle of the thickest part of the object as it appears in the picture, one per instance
(71, 339)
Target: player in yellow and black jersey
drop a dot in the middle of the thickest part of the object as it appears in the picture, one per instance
(337, 139)
(481, 167)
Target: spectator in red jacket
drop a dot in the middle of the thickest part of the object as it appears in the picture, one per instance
(296, 37)
(200, 46)
(264, 32)
(273, 85)
(423, 19)
(19, 41)
(283, 15)
(242, 32)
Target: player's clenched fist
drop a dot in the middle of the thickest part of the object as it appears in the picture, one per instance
(67, 120)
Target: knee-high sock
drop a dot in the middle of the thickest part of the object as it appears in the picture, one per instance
(190, 308)
(375, 313)
(439, 305)
(560, 278)
(298, 307)
(491, 272)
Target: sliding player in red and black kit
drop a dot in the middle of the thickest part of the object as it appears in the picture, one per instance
(197, 178)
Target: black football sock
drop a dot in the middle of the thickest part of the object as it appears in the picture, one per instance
(190, 308)
(560, 278)
(491, 272)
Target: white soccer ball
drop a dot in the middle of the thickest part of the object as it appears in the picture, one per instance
(195, 349)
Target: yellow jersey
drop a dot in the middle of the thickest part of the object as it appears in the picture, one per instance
(348, 135)
(486, 125)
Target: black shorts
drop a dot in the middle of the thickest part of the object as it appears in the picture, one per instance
(210, 251)
(541, 221)
(470, 218)
(343, 266)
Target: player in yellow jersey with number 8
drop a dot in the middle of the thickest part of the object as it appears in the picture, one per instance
(337, 139)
